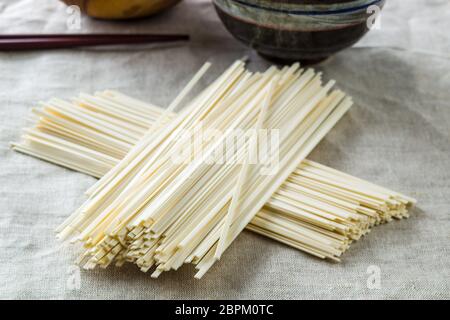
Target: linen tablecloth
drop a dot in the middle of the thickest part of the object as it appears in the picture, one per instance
(396, 135)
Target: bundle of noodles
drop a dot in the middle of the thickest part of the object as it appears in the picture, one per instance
(315, 209)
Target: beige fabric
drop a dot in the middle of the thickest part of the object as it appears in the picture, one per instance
(396, 135)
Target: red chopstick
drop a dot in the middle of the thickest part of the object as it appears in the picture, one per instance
(61, 41)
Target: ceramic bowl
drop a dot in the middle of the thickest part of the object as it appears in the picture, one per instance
(298, 30)
(121, 9)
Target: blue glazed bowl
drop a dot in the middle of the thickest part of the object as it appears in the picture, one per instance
(298, 30)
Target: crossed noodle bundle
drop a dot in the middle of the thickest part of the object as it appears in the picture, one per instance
(154, 212)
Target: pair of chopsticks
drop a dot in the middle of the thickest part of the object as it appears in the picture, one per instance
(61, 41)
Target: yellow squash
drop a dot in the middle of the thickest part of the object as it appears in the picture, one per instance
(121, 9)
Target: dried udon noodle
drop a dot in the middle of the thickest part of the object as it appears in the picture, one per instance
(151, 212)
